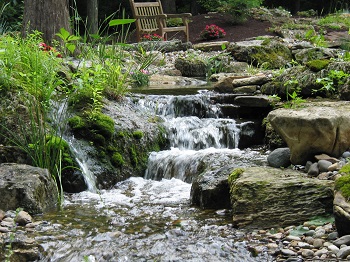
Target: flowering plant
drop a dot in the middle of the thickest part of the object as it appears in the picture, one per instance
(140, 78)
(212, 32)
(46, 48)
(151, 37)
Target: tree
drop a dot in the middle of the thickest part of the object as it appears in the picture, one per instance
(46, 16)
(92, 16)
(169, 6)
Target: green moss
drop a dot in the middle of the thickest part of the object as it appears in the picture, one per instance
(117, 160)
(345, 169)
(77, 123)
(235, 175)
(138, 134)
(342, 184)
(133, 155)
(318, 64)
(103, 125)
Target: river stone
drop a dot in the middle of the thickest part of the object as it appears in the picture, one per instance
(23, 218)
(344, 240)
(280, 157)
(327, 125)
(341, 209)
(313, 170)
(31, 188)
(244, 90)
(252, 101)
(265, 197)
(343, 252)
(323, 165)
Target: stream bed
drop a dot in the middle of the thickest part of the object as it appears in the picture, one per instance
(151, 218)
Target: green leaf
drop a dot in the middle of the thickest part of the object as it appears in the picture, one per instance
(64, 34)
(71, 47)
(115, 22)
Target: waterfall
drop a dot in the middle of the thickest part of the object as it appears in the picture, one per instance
(59, 116)
(199, 134)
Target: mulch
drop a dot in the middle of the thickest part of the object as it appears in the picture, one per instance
(234, 32)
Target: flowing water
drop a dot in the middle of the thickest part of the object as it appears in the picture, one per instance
(151, 218)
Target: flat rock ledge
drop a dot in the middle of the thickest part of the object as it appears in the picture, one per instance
(264, 197)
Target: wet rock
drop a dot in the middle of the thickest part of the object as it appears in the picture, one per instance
(253, 101)
(210, 190)
(267, 197)
(244, 90)
(280, 157)
(25, 186)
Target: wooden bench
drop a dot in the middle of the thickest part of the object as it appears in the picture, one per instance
(150, 19)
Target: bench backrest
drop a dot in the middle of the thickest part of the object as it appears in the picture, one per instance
(146, 9)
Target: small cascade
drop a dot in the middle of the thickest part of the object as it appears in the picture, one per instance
(80, 158)
(59, 116)
(198, 133)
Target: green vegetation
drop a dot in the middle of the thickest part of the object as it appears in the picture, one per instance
(235, 175)
(318, 64)
(237, 8)
(342, 184)
(331, 82)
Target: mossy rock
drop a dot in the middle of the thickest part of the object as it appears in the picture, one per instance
(137, 134)
(318, 64)
(342, 184)
(117, 160)
(235, 174)
(77, 123)
(103, 125)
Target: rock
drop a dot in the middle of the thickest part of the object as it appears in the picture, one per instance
(244, 90)
(318, 243)
(211, 46)
(265, 197)
(280, 157)
(328, 126)
(327, 157)
(344, 240)
(191, 67)
(313, 170)
(333, 248)
(346, 154)
(210, 190)
(253, 101)
(343, 252)
(31, 188)
(223, 81)
(341, 209)
(253, 80)
(269, 53)
(307, 253)
(302, 56)
(2, 214)
(288, 252)
(323, 165)
(334, 167)
(23, 218)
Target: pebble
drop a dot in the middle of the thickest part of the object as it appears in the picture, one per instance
(343, 252)
(333, 248)
(318, 243)
(288, 252)
(344, 240)
(307, 253)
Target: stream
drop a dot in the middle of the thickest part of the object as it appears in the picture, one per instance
(151, 218)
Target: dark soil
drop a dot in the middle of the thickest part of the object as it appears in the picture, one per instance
(234, 32)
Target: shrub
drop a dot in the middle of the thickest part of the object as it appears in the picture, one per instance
(212, 32)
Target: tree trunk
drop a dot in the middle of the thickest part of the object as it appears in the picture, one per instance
(92, 16)
(169, 6)
(46, 16)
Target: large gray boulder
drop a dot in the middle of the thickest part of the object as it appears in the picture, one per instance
(317, 128)
(28, 187)
(264, 197)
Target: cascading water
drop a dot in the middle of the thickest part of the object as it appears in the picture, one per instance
(150, 219)
(197, 134)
